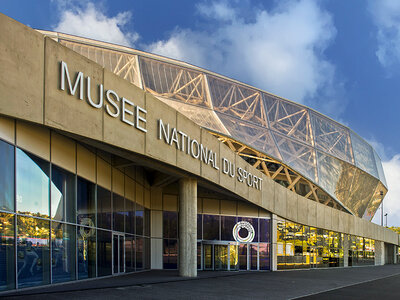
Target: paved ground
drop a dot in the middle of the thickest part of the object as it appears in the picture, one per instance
(350, 283)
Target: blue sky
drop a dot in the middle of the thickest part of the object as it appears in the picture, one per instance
(339, 57)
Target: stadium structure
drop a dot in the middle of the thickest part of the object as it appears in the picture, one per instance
(116, 160)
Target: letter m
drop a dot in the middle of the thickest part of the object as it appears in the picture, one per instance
(78, 81)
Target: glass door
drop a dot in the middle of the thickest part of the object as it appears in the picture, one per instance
(208, 257)
(118, 253)
(220, 257)
(243, 257)
(233, 257)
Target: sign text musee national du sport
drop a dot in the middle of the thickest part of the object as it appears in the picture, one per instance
(135, 116)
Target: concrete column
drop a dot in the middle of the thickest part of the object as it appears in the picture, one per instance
(379, 253)
(345, 250)
(274, 257)
(188, 227)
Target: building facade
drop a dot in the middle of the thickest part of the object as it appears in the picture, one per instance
(117, 161)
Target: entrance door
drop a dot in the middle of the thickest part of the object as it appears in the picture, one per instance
(221, 257)
(118, 253)
(243, 261)
(208, 257)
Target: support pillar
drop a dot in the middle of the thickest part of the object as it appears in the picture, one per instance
(379, 253)
(345, 250)
(188, 227)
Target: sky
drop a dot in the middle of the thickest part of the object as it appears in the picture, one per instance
(339, 57)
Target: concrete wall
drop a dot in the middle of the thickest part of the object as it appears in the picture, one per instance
(29, 89)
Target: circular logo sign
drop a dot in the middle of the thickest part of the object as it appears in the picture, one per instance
(243, 225)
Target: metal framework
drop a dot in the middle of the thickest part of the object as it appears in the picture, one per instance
(303, 150)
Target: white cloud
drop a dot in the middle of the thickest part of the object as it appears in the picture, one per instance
(280, 50)
(385, 14)
(392, 199)
(91, 22)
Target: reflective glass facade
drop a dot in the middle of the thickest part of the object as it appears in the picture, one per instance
(64, 223)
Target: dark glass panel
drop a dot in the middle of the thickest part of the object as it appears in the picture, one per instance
(129, 254)
(264, 256)
(62, 195)
(146, 253)
(63, 248)
(139, 219)
(147, 222)
(199, 227)
(33, 251)
(139, 253)
(6, 176)
(265, 230)
(227, 224)
(170, 254)
(86, 252)
(170, 224)
(118, 213)
(32, 185)
(104, 253)
(7, 254)
(116, 253)
(86, 203)
(198, 256)
(243, 256)
(210, 227)
(103, 208)
(253, 256)
(130, 216)
(254, 223)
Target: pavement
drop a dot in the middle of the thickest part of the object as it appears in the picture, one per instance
(338, 283)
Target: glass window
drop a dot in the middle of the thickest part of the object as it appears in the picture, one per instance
(139, 219)
(280, 246)
(103, 208)
(289, 245)
(63, 248)
(86, 203)
(265, 230)
(7, 254)
(32, 185)
(130, 216)
(62, 195)
(6, 176)
(298, 246)
(147, 222)
(33, 251)
(86, 252)
(210, 227)
(170, 254)
(170, 224)
(199, 226)
(104, 252)
(118, 213)
(227, 224)
(264, 256)
(129, 253)
(139, 253)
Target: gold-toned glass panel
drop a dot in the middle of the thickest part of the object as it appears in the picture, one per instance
(288, 118)
(237, 100)
(171, 81)
(331, 137)
(120, 63)
(255, 136)
(361, 191)
(363, 155)
(297, 155)
(375, 202)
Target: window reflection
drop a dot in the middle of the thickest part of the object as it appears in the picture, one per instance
(104, 252)
(7, 254)
(33, 251)
(210, 227)
(6, 176)
(103, 208)
(62, 195)
(32, 185)
(86, 252)
(63, 252)
(139, 219)
(118, 213)
(86, 203)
